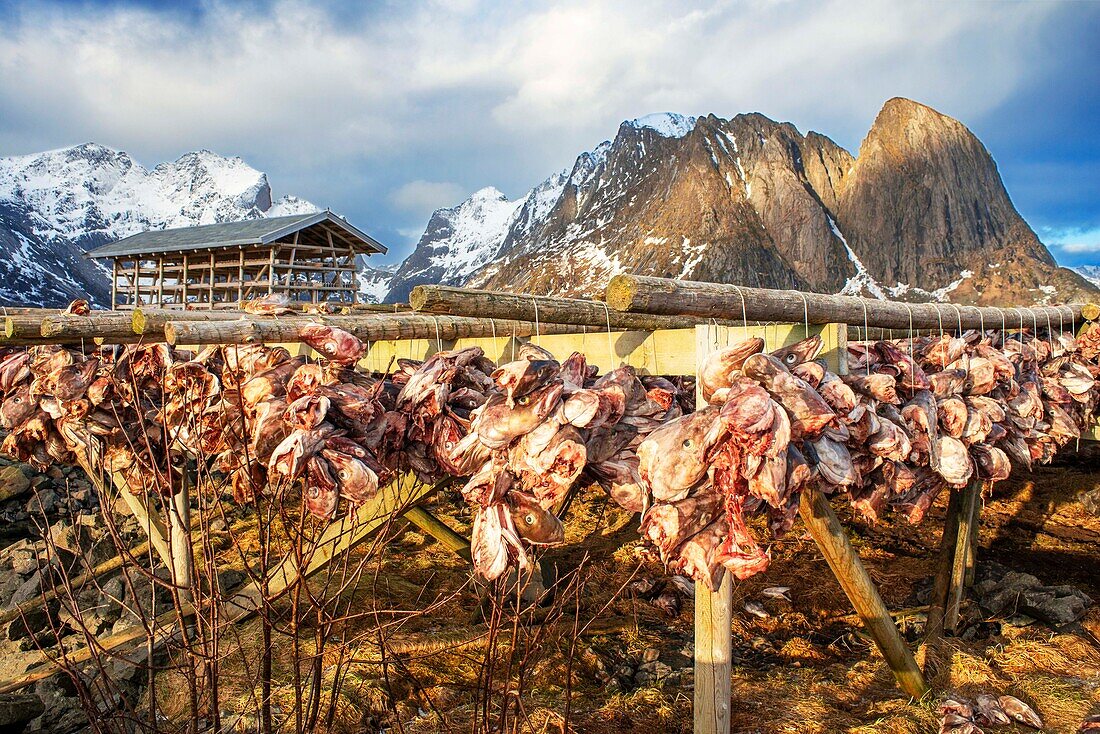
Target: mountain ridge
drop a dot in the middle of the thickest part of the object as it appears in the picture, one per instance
(920, 214)
(57, 204)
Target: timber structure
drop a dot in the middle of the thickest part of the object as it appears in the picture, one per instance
(310, 257)
(658, 326)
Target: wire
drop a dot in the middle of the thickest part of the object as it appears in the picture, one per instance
(805, 313)
(610, 344)
(538, 336)
(744, 313)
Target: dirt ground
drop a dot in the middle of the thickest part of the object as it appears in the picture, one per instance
(610, 641)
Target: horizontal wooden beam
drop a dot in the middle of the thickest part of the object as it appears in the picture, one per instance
(440, 299)
(108, 325)
(368, 327)
(641, 294)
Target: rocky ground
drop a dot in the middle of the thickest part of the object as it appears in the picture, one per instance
(623, 639)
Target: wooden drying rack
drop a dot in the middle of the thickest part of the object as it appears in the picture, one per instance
(660, 351)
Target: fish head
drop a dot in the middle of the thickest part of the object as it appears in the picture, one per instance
(357, 481)
(799, 352)
(17, 407)
(674, 458)
(334, 343)
(79, 307)
(322, 492)
(305, 381)
(307, 412)
(533, 522)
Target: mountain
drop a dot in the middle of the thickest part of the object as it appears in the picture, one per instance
(1091, 273)
(920, 214)
(56, 205)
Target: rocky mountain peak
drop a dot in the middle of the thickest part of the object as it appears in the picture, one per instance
(921, 213)
(56, 204)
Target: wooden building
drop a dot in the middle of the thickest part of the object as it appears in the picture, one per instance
(311, 257)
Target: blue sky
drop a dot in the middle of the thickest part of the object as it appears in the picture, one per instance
(384, 111)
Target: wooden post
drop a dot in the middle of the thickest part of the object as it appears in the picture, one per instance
(968, 510)
(183, 280)
(825, 528)
(106, 324)
(240, 278)
(713, 622)
(942, 582)
(439, 530)
(641, 294)
(179, 533)
(713, 658)
(114, 283)
(271, 269)
(160, 280)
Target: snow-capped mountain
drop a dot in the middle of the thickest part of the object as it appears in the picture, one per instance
(1090, 273)
(56, 205)
(920, 214)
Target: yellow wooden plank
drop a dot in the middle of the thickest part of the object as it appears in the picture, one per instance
(664, 352)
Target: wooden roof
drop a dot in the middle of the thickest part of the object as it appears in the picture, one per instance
(262, 231)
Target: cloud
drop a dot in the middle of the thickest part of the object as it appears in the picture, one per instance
(1073, 240)
(340, 103)
(424, 197)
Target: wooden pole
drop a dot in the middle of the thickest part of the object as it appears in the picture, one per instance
(968, 516)
(641, 294)
(441, 299)
(368, 327)
(713, 624)
(107, 325)
(827, 532)
(151, 321)
(713, 658)
(179, 533)
(945, 562)
(439, 530)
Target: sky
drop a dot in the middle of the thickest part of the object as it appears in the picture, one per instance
(384, 111)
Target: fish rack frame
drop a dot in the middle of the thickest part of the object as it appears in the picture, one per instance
(659, 351)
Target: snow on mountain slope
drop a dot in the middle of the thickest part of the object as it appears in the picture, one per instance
(459, 241)
(1090, 273)
(56, 205)
(374, 282)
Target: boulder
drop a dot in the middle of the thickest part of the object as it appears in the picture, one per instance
(13, 482)
(17, 710)
(1002, 592)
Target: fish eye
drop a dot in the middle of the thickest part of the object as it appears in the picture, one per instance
(687, 443)
(791, 358)
(523, 401)
(529, 518)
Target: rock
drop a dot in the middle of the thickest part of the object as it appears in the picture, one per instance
(24, 565)
(218, 525)
(230, 579)
(29, 589)
(13, 482)
(643, 678)
(35, 623)
(1091, 501)
(650, 654)
(43, 502)
(17, 710)
(55, 473)
(662, 671)
(1003, 592)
